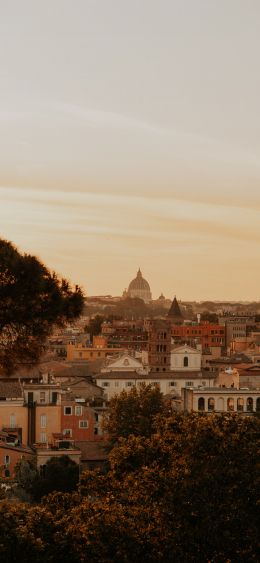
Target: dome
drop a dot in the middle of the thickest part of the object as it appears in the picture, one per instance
(139, 283)
(140, 288)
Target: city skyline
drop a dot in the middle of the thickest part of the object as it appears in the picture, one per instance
(130, 137)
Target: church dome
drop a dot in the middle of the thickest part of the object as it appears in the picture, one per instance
(139, 287)
(139, 282)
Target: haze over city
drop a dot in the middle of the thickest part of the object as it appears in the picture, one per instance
(130, 137)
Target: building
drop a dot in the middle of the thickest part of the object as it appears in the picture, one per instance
(185, 358)
(13, 414)
(79, 421)
(126, 334)
(221, 400)
(228, 377)
(249, 376)
(83, 353)
(159, 344)
(125, 363)
(236, 326)
(140, 288)
(169, 383)
(175, 314)
(43, 404)
(10, 455)
(207, 334)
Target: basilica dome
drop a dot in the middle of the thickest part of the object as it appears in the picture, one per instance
(139, 287)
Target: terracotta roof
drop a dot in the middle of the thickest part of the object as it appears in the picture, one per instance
(21, 449)
(10, 389)
(93, 451)
(156, 375)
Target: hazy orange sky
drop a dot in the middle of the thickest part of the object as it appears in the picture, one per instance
(130, 136)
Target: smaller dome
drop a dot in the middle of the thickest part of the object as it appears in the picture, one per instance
(139, 283)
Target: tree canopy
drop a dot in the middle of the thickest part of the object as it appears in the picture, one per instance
(189, 492)
(133, 412)
(32, 301)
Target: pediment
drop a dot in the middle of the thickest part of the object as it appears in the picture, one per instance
(183, 349)
(125, 362)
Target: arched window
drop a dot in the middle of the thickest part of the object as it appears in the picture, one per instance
(211, 404)
(249, 404)
(185, 361)
(230, 404)
(258, 404)
(201, 404)
(240, 404)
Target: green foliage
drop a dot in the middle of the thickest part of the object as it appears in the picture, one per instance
(32, 300)
(134, 412)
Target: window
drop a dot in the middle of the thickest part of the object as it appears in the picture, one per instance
(185, 361)
(7, 459)
(188, 383)
(211, 404)
(67, 432)
(54, 397)
(116, 383)
(67, 410)
(83, 424)
(78, 411)
(30, 397)
(12, 420)
(240, 404)
(249, 404)
(105, 384)
(43, 420)
(201, 404)
(172, 383)
(230, 404)
(129, 384)
(258, 404)
(42, 396)
(43, 437)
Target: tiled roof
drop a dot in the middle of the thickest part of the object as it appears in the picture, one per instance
(93, 451)
(157, 375)
(10, 389)
(21, 449)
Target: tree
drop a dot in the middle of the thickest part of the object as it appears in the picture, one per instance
(32, 301)
(59, 474)
(94, 326)
(134, 412)
(191, 489)
(210, 317)
(25, 473)
(189, 493)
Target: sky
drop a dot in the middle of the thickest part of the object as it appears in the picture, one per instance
(130, 137)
